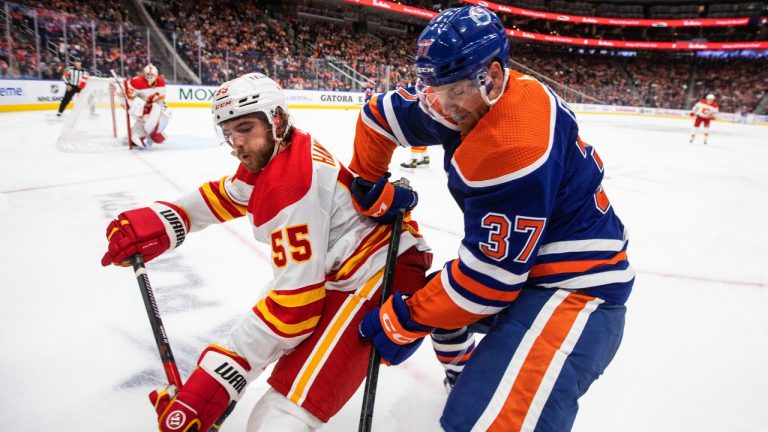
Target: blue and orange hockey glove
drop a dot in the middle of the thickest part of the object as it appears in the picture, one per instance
(394, 334)
(382, 200)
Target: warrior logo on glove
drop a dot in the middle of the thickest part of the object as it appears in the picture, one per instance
(176, 420)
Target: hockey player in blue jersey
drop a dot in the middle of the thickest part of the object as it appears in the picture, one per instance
(543, 262)
(368, 91)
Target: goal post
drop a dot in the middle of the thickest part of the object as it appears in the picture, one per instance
(99, 119)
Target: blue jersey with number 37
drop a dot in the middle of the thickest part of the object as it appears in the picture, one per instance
(535, 211)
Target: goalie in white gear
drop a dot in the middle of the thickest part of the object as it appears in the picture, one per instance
(146, 94)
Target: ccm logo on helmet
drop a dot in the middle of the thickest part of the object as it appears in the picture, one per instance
(222, 105)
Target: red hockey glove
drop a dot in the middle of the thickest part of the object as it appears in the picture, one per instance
(152, 98)
(395, 335)
(220, 378)
(382, 200)
(149, 231)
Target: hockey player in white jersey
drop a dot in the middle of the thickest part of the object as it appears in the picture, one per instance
(146, 94)
(327, 264)
(704, 111)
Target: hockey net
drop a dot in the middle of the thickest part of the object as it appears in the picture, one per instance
(99, 119)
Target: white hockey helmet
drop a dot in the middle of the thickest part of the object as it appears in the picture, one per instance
(247, 94)
(710, 97)
(150, 73)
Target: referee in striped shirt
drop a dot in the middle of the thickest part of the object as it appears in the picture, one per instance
(72, 78)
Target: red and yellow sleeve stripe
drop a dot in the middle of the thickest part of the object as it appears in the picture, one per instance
(292, 313)
(219, 202)
(377, 239)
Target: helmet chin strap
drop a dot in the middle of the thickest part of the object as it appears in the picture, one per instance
(486, 88)
(279, 144)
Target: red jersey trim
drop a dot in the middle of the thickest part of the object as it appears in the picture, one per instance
(284, 181)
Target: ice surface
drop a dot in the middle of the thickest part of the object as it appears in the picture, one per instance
(77, 350)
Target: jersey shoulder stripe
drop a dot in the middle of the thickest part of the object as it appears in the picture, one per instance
(376, 112)
(513, 139)
(373, 118)
(392, 119)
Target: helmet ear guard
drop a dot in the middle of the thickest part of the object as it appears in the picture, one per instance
(485, 86)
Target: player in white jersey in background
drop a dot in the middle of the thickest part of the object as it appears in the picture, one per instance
(146, 95)
(328, 265)
(705, 111)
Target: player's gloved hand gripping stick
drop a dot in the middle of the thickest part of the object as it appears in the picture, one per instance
(403, 190)
(165, 400)
(382, 200)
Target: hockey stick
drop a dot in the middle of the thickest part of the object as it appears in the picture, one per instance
(372, 377)
(123, 90)
(161, 338)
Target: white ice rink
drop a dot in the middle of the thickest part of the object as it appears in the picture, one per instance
(78, 353)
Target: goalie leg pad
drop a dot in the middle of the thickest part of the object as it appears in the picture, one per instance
(152, 119)
(139, 135)
(156, 121)
(158, 137)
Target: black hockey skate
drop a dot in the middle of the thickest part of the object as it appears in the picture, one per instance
(409, 166)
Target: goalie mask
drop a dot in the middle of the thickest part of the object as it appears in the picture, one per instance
(150, 73)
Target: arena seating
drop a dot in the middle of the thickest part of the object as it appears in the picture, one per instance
(338, 51)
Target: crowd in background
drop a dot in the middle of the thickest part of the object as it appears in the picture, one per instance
(224, 39)
(234, 38)
(46, 35)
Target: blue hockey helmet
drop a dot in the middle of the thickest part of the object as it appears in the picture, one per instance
(458, 43)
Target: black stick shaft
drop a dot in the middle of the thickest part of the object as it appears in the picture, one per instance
(372, 377)
(161, 339)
